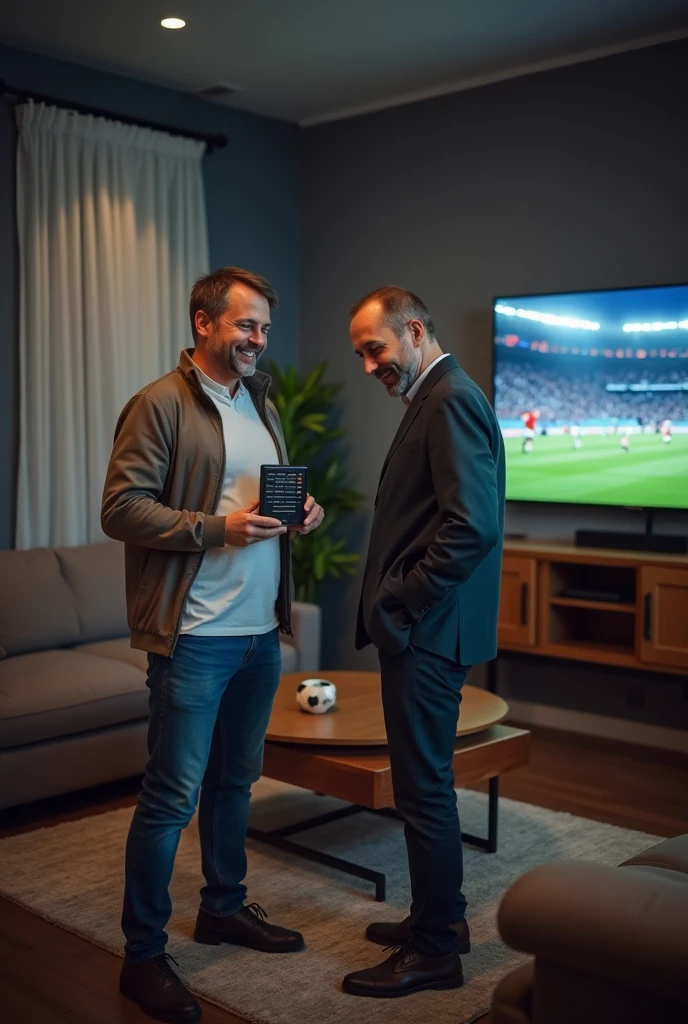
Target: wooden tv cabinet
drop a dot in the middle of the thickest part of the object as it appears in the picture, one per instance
(635, 615)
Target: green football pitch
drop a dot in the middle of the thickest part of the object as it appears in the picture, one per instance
(650, 474)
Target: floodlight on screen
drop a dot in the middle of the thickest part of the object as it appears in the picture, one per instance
(671, 325)
(547, 318)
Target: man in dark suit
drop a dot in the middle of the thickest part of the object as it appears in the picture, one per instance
(429, 603)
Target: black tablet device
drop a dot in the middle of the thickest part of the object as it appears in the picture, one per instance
(283, 491)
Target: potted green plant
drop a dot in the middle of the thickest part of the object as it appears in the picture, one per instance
(305, 406)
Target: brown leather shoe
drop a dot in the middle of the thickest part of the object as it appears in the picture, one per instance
(248, 927)
(158, 991)
(386, 933)
(404, 972)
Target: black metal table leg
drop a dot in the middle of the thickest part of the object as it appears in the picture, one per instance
(492, 810)
(492, 676)
(277, 838)
(489, 844)
(321, 819)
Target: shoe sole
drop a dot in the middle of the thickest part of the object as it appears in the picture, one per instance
(210, 939)
(440, 986)
(462, 948)
(169, 1018)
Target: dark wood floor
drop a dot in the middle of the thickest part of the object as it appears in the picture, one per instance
(48, 975)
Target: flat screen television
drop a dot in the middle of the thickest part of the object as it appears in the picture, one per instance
(591, 394)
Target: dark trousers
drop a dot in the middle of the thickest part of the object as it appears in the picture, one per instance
(421, 693)
(210, 705)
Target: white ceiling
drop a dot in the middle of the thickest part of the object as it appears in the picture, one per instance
(315, 60)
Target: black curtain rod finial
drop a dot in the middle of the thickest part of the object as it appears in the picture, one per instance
(211, 141)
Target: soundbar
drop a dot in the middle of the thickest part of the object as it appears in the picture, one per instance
(666, 543)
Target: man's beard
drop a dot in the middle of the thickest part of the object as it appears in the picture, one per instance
(232, 360)
(405, 374)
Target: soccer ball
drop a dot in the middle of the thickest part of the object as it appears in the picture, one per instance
(316, 696)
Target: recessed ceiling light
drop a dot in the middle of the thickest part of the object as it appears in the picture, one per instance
(173, 23)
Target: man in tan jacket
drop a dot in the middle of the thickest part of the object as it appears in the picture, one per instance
(208, 589)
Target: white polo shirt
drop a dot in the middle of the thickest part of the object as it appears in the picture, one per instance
(235, 590)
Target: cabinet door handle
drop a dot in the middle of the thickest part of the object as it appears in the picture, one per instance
(647, 617)
(524, 604)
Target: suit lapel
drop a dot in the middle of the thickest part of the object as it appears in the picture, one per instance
(409, 416)
(448, 363)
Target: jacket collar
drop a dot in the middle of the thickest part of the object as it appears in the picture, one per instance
(258, 383)
(442, 366)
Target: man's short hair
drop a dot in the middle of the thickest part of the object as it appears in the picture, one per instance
(398, 307)
(210, 293)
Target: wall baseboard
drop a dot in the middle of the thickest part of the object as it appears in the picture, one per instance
(599, 725)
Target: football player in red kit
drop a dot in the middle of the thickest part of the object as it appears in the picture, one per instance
(665, 431)
(529, 422)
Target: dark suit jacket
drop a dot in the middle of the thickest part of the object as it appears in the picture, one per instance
(434, 560)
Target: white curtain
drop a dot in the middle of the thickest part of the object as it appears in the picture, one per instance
(112, 234)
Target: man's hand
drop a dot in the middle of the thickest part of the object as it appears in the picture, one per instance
(247, 527)
(314, 516)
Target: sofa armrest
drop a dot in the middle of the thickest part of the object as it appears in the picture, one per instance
(624, 924)
(306, 626)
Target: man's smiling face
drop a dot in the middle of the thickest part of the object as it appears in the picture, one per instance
(240, 335)
(394, 360)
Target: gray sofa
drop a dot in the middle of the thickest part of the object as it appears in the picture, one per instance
(73, 699)
(610, 944)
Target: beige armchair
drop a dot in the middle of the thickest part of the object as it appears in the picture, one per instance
(610, 943)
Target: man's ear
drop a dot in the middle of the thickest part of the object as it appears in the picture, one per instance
(417, 329)
(203, 323)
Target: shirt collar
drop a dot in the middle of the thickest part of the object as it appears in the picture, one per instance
(413, 390)
(218, 389)
(259, 382)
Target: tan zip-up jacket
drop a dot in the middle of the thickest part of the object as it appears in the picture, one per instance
(161, 491)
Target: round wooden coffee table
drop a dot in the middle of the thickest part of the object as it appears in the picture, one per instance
(357, 719)
(343, 754)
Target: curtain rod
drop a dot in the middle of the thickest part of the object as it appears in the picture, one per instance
(212, 141)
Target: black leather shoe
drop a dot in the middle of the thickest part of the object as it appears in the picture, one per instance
(158, 991)
(248, 927)
(386, 933)
(404, 972)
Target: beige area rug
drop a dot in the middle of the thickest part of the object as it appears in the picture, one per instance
(72, 875)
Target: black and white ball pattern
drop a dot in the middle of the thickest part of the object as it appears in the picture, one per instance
(316, 696)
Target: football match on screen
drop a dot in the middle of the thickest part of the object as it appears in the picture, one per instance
(591, 394)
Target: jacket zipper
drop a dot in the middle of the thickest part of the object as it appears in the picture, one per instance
(194, 574)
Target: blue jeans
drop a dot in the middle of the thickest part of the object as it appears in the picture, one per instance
(210, 705)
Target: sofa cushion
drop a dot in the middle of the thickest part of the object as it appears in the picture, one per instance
(58, 693)
(121, 650)
(671, 854)
(655, 871)
(37, 606)
(118, 650)
(95, 573)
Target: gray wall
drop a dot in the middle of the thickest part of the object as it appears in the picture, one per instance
(252, 198)
(570, 179)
